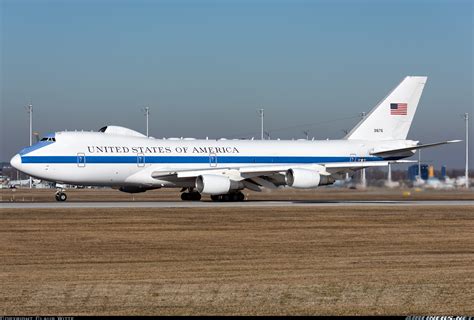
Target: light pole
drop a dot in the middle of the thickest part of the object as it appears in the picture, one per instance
(29, 109)
(389, 177)
(37, 138)
(466, 118)
(147, 114)
(419, 163)
(363, 179)
(261, 113)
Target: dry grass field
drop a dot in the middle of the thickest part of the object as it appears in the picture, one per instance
(253, 261)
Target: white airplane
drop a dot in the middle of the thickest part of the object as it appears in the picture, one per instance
(131, 162)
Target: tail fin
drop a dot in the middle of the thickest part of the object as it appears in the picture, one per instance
(391, 118)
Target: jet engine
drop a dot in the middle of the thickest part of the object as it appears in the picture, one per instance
(214, 184)
(305, 178)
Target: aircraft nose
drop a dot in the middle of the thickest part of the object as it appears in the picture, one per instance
(16, 161)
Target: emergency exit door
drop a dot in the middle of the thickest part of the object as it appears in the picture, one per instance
(81, 160)
(140, 160)
(212, 160)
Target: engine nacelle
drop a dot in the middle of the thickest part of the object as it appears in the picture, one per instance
(305, 178)
(214, 184)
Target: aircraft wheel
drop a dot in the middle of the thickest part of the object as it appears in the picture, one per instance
(190, 196)
(61, 196)
(195, 196)
(237, 196)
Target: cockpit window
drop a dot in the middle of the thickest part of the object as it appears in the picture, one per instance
(48, 139)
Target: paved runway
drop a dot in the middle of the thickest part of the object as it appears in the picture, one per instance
(210, 204)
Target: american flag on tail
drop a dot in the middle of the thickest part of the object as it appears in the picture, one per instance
(398, 109)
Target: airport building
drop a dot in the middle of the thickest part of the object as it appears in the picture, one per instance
(413, 172)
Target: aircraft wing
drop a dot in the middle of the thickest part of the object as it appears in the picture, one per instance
(268, 176)
(242, 173)
(239, 173)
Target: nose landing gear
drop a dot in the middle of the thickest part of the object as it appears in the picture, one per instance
(60, 196)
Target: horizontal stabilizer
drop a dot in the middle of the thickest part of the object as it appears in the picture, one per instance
(390, 152)
(403, 161)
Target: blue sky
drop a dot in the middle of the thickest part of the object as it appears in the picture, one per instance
(205, 67)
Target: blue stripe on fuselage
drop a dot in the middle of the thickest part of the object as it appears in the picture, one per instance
(194, 159)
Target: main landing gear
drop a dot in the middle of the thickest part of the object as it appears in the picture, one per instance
(191, 196)
(60, 196)
(228, 197)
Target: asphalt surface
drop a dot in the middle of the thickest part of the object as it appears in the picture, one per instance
(210, 204)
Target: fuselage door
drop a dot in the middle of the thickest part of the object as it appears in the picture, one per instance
(212, 159)
(140, 160)
(353, 157)
(81, 160)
